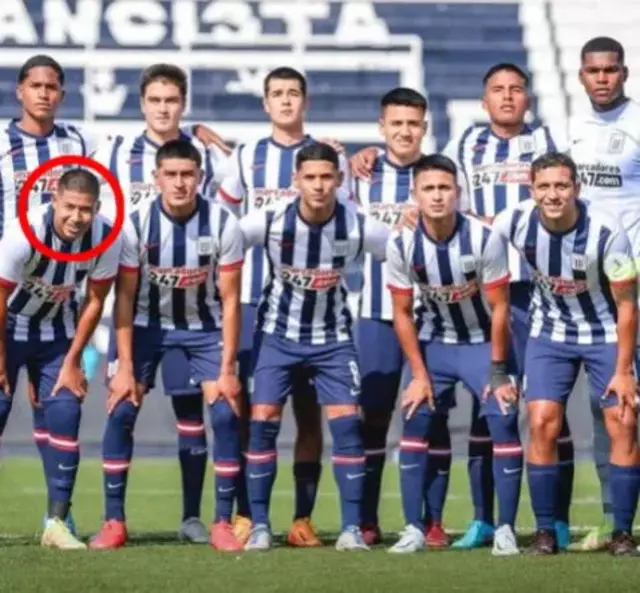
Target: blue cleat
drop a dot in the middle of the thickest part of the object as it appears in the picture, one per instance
(478, 534)
(90, 361)
(69, 522)
(563, 536)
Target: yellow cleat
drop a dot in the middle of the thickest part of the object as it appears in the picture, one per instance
(57, 535)
(242, 528)
(303, 534)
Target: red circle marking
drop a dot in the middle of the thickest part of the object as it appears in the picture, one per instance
(23, 206)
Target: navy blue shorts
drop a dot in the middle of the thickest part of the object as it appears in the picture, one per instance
(199, 361)
(551, 370)
(381, 360)
(279, 363)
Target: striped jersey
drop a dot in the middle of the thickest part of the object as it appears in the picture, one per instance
(494, 173)
(572, 300)
(178, 262)
(304, 299)
(260, 176)
(450, 276)
(43, 305)
(383, 196)
(132, 160)
(21, 153)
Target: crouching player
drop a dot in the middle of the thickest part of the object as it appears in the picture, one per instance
(584, 311)
(464, 337)
(41, 329)
(304, 326)
(176, 249)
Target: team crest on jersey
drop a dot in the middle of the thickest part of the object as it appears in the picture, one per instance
(579, 262)
(616, 143)
(527, 144)
(205, 246)
(468, 263)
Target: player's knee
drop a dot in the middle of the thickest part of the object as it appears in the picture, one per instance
(545, 422)
(418, 426)
(504, 428)
(622, 434)
(346, 432)
(266, 413)
(63, 413)
(124, 415)
(222, 416)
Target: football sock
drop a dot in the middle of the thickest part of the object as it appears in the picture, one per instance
(438, 469)
(41, 438)
(543, 489)
(625, 487)
(307, 477)
(192, 451)
(348, 466)
(375, 442)
(261, 469)
(566, 463)
(480, 467)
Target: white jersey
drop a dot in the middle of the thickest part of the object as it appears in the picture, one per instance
(304, 299)
(21, 153)
(606, 149)
(43, 305)
(178, 263)
(495, 173)
(260, 176)
(450, 276)
(572, 301)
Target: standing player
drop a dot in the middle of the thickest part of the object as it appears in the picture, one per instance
(605, 144)
(464, 337)
(163, 92)
(584, 311)
(179, 251)
(260, 176)
(304, 330)
(41, 329)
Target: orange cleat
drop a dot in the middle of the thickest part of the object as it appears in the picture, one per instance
(371, 534)
(436, 537)
(223, 538)
(242, 528)
(112, 535)
(303, 535)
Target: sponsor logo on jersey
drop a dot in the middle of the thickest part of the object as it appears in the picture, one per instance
(501, 174)
(453, 293)
(557, 286)
(47, 292)
(311, 279)
(178, 277)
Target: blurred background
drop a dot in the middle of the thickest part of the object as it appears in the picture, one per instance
(351, 51)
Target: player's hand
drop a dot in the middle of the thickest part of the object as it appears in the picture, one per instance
(4, 380)
(362, 162)
(71, 377)
(624, 386)
(337, 146)
(506, 395)
(122, 387)
(409, 218)
(230, 388)
(209, 138)
(416, 393)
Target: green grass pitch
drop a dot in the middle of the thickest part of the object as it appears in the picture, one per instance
(155, 562)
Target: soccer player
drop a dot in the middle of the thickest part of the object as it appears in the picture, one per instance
(44, 328)
(260, 177)
(163, 92)
(179, 251)
(584, 311)
(605, 144)
(464, 337)
(304, 329)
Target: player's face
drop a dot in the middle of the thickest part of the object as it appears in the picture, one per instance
(74, 212)
(436, 193)
(555, 192)
(603, 77)
(505, 98)
(403, 128)
(318, 182)
(162, 106)
(40, 93)
(285, 103)
(178, 181)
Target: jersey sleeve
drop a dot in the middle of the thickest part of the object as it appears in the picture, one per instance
(376, 235)
(254, 228)
(618, 264)
(231, 245)
(345, 191)
(231, 190)
(220, 163)
(17, 251)
(501, 226)
(452, 151)
(130, 253)
(495, 265)
(399, 280)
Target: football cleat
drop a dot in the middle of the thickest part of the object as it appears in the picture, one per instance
(351, 539)
(112, 535)
(478, 534)
(260, 539)
(504, 542)
(597, 538)
(371, 534)
(563, 534)
(411, 540)
(544, 543)
(57, 535)
(69, 522)
(193, 530)
(242, 528)
(223, 539)
(302, 534)
(436, 537)
(623, 544)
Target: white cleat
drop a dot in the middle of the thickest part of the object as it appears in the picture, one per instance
(411, 540)
(504, 542)
(351, 539)
(260, 539)
(57, 535)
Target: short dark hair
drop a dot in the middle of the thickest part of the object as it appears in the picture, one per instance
(169, 72)
(404, 97)
(178, 149)
(41, 61)
(285, 73)
(551, 160)
(602, 44)
(317, 151)
(80, 180)
(508, 67)
(435, 162)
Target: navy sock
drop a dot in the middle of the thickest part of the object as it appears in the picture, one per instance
(480, 467)
(348, 466)
(566, 462)
(543, 489)
(5, 408)
(242, 494)
(625, 487)
(507, 465)
(307, 478)
(413, 464)
(62, 417)
(438, 469)
(192, 451)
(117, 450)
(375, 441)
(262, 465)
(41, 439)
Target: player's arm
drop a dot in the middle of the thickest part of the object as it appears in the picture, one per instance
(254, 228)
(361, 162)
(232, 189)
(208, 137)
(376, 237)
